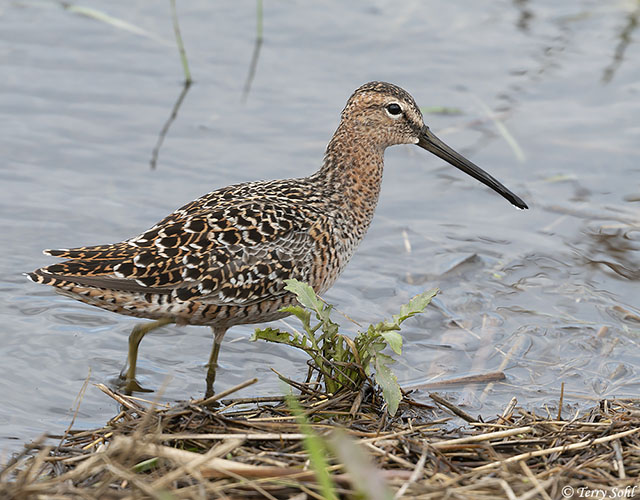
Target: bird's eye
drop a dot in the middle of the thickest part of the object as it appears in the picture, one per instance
(394, 109)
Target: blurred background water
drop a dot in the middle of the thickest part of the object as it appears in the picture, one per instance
(544, 95)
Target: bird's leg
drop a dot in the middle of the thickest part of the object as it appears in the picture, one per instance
(218, 335)
(129, 371)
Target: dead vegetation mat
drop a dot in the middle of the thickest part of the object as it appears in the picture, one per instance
(255, 448)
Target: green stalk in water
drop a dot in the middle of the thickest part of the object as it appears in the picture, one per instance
(183, 53)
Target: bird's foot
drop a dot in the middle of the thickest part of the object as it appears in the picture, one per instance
(129, 386)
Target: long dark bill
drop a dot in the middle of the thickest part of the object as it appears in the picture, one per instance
(431, 143)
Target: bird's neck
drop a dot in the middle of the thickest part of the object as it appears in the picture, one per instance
(352, 168)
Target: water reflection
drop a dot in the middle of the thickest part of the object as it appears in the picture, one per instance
(615, 246)
(526, 14)
(625, 37)
(256, 52)
(167, 125)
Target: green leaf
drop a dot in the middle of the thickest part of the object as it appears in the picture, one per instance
(376, 346)
(415, 306)
(147, 465)
(387, 380)
(302, 314)
(329, 329)
(308, 298)
(275, 335)
(369, 353)
(305, 294)
(394, 339)
(271, 335)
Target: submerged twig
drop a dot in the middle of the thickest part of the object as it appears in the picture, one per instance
(450, 406)
(503, 130)
(481, 378)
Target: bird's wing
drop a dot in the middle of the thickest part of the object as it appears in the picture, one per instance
(224, 248)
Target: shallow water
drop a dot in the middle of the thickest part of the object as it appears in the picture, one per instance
(548, 295)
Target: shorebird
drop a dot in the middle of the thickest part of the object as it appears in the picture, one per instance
(222, 260)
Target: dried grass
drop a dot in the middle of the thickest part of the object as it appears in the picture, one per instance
(253, 448)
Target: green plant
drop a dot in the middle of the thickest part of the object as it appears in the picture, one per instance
(342, 361)
(317, 450)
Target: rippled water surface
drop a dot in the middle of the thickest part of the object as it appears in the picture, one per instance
(548, 101)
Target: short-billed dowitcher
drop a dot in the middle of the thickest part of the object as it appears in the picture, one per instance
(222, 259)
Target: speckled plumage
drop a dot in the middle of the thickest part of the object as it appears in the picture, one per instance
(223, 259)
(220, 260)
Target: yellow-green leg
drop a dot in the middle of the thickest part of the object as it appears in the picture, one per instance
(218, 335)
(139, 331)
